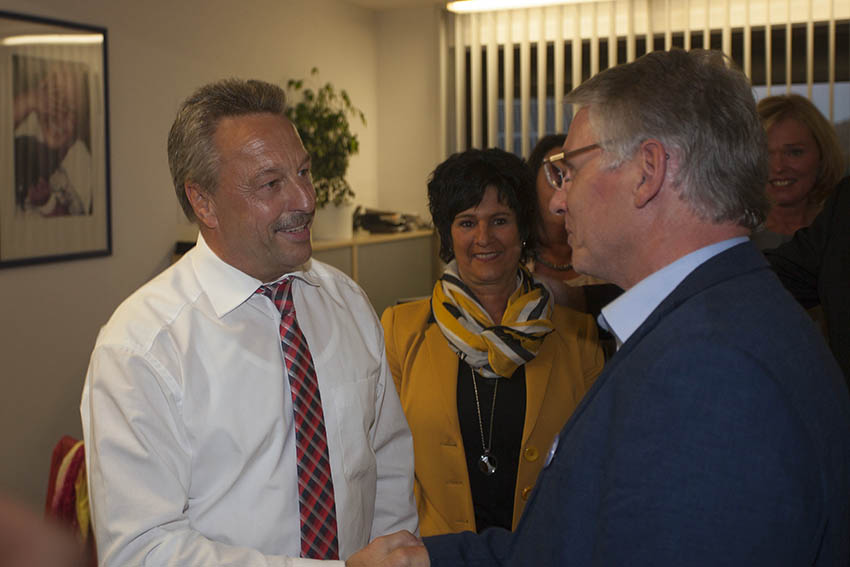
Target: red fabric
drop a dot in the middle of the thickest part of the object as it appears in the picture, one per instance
(61, 505)
(59, 451)
(315, 485)
(65, 501)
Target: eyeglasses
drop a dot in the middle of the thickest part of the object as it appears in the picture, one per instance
(556, 176)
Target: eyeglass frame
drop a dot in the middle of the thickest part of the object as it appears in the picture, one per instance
(561, 156)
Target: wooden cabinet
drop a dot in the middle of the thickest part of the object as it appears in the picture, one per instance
(388, 267)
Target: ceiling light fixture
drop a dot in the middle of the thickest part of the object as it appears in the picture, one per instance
(52, 39)
(468, 6)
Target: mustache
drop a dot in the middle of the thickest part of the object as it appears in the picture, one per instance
(293, 220)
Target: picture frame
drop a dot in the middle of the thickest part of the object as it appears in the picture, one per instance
(54, 154)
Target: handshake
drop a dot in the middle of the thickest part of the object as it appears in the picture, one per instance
(401, 549)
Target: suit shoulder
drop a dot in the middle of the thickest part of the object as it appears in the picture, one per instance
(327, 273)
(154, 306)
(405, 322)
(568, 321)
(339, 285)
(564, 314)
(409, 313)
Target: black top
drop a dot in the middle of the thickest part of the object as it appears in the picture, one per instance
(493, 495)
(815, 267)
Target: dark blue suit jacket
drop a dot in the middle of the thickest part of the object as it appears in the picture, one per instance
(719, 434)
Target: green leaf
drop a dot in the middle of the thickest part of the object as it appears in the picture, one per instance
(322, 118)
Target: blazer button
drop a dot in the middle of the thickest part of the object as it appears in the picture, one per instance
(531, 454)
(526, 492)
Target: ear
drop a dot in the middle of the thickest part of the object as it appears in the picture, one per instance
(202, 204)
(652, 165)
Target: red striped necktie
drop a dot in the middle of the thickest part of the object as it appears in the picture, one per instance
(315, 485)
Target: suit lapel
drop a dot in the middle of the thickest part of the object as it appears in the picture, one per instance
(730, 263)
(537, 378)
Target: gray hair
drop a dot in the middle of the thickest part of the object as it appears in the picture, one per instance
(703, 111)
(192, 154)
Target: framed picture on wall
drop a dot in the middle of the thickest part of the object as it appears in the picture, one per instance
(54, 141)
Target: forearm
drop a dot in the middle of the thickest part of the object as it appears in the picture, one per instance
(395, 508)
(176, 543)
(469, 549)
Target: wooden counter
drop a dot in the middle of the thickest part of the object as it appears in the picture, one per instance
(387, 266)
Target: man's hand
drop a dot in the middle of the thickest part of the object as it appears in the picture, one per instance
(401, 549)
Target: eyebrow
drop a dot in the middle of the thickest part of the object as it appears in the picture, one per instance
(274, 171)
(280, 171)
(463, 213)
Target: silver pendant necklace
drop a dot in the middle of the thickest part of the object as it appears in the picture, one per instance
(487, 462)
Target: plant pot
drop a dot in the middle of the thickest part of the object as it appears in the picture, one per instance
(333, 222)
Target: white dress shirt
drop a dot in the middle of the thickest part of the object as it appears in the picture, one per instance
(188, 427)
(624, 315)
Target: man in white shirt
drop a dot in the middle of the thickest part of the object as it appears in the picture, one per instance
(192, 430)
(719, 433)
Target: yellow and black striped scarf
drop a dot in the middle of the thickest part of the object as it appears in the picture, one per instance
(493, 350)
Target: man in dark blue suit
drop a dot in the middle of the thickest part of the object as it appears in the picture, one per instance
(719, 433)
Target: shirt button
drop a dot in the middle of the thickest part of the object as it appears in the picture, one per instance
(526, 492)
(531, 454)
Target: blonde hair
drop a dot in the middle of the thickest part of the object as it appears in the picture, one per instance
(775, 108)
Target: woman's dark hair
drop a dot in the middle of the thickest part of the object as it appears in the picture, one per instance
(544, 145)
(460, 182)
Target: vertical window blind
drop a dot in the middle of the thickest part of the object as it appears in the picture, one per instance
(504, 74)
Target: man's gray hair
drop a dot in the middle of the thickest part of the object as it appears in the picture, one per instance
(192, 155)
(702, 109)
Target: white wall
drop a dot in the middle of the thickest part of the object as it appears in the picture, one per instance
(159, 51)
(408, 88)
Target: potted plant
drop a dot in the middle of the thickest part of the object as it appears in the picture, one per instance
(322, 118)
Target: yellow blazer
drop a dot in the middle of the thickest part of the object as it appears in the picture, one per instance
(425, 368)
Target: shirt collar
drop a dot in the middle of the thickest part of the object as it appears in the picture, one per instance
(625, 314)
(228, 287)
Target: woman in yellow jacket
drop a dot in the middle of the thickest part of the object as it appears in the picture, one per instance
(488, 369)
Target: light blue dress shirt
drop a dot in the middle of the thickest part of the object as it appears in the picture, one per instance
(625, 314)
